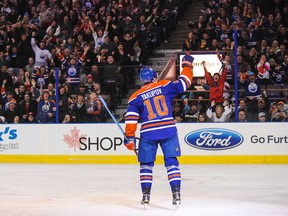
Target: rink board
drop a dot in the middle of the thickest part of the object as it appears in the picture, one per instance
(201, 143)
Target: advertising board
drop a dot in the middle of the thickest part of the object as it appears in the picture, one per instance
(103, 143)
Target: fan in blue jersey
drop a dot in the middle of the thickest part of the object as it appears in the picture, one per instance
(153, 105)
(72, 66)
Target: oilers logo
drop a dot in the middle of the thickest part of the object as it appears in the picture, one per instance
(252, 87)
(40, 81)
(278, 78)
(223, 36)
(88, 5)
(143, 27)
(229, 70)
(99, 42)
(72, 71)
(45, 108)
(42, 55)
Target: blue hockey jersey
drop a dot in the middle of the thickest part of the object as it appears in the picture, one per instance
(153, 105)
(72, 71)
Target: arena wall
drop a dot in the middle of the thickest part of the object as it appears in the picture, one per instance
(201, 143)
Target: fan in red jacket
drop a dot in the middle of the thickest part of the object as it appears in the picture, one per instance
(216, 84)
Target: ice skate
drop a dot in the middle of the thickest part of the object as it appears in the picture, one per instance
(176, 198)
(146, 199)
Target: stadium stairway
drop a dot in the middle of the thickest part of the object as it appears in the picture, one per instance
(161, 55)
(178, 37)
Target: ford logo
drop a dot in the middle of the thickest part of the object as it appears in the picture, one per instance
(214, 139)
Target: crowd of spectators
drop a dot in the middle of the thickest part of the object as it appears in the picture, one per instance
(262, 58)
(96, 47)
(93, 47)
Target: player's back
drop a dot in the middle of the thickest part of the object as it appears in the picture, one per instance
(153, 105)
(153, 102)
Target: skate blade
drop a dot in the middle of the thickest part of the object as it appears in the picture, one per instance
(145, 206)
(177, 205)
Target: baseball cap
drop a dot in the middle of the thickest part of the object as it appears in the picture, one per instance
(280, 103)
(89, 76)
(261, 114)
(261, 101)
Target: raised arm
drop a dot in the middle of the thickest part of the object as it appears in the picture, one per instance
(33, 42)
(207, 75)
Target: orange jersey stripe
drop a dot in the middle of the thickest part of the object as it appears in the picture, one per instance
(131, 117)
(157, 124)
(188, 72)
(187, 83)
(148, 87)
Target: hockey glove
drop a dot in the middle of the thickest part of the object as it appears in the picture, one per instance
(129, 143)
(187, 61)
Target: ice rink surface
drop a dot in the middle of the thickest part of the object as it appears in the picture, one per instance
(86, 190)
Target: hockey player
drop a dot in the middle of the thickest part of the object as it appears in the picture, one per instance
(153, 105)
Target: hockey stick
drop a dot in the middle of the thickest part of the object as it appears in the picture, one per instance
(115, 120)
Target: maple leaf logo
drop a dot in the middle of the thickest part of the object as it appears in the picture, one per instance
(73, 139)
